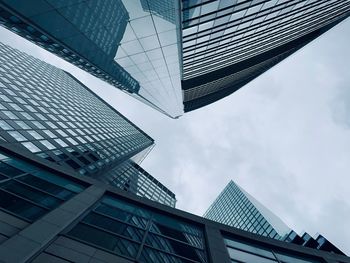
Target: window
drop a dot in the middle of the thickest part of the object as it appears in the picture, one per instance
(120, 227)
(29, 192)
(241, 251)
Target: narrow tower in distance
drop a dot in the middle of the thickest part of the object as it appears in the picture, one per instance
(235, 207)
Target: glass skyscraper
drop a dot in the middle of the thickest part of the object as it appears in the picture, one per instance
(176, 56)
(47, 112)
(237, 208)
(133, 45)
(226, 44)
(50, 214)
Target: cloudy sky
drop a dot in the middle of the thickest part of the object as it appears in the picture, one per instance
(284, 138)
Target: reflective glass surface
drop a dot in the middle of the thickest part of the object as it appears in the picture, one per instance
(235, 207)
(228, 43)
(130, 177)
(132, 44)
(243, 252)
(149, 51)
(47, 112)
(136, 233)
(29, 192)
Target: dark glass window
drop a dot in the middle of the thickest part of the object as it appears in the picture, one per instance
(114, 226)
(121, 227)
(20, 207)
(33, 193)
(9, 170)
(105, 240)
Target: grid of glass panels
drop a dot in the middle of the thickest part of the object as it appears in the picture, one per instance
(130, 177)
(149, 51)
(220, 33)
(29, 192)
(49, 113)
(137, 233)
(133, 45)
(243, 252)
(232, 207)
(85, 33)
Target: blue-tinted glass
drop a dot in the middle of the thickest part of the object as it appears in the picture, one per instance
(172, 246)
(114, 226)
(21, 165)
(20, 207)
(58, 180)
(105, 240)
(122, 215)
(9, 170)
(51, 188)
(31, 194)
(149, 255)
(2, 177)
(126, 206)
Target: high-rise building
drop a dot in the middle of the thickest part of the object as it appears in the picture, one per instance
(176, 56)
(49, 214)
(132, 45)
(226, 44)
(46, 111)
(237, 208)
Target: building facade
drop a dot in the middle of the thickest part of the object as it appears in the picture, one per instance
(46, 111)
(49, 214)
(226, 44)
(237, 208)
(176, 56)
(132, 45)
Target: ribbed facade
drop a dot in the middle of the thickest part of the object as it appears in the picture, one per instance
(226, 44)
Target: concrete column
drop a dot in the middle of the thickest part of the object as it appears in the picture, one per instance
(216, 246)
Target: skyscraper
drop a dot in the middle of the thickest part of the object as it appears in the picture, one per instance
(226, 44)
(176, 56)
(128, 44)
(237, 208)
(49, 214)
(46, 111)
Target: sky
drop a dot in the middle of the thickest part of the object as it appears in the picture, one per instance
(284, 137)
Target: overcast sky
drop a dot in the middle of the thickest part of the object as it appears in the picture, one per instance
(284, 138)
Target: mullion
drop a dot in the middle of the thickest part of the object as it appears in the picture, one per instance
(170, 253)
(26, 199)
(223, 9)
(118, 220)
(191, 71)
(109, 232)
(254, 16)
(41, 190)
(200, 66)
(173, 239)
(268, 22)
(113, 207)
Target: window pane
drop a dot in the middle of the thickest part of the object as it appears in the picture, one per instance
(72, 186)
(247, 257)
(47, 186)
(20, 207)
(105, 240)
(9, 170)
(122, 215)
(31, 194)
(114, 226)
(172, 246)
